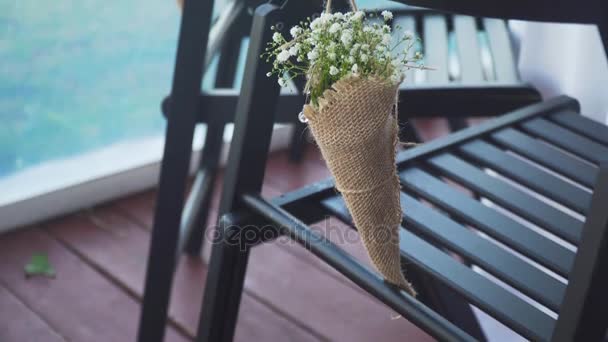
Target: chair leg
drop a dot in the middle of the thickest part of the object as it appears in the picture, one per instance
(447, 303)
(193, 37)
(298, 142)
(208, 165)
(229, 56)
(214, 139)
(223, 289)
(298, 136)
(408, 133)
(244, 174)
(457, 123)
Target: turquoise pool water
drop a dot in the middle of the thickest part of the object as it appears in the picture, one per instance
(77, 75)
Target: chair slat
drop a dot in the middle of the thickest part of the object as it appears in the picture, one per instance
(566, 139)
(500, 48)
(515, 200)
(408, 25)
(469, 52)
(582, 125)
(504, 265)
(491, 222)
(436, 48)
(545, 183)
(481, 292)
(546, 156)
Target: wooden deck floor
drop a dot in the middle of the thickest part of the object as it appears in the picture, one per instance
(100, 258)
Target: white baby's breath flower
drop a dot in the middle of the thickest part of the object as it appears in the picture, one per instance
(357, 15)
(283, 56)
(346, 37)
(386, 39)
(397, 76)
(315, 24)
(293, 51)
(295, 31)
(312, 55)
(334, 45)
(408, 34)
(268, 74)
(388, 15)
(335, 27)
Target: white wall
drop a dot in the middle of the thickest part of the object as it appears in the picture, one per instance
(565, 59)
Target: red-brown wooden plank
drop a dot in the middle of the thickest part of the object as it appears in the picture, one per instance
(298, 285)
(20, 324)
(118, 246)
(79, 303)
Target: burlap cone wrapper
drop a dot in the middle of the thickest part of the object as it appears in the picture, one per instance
(357, 134)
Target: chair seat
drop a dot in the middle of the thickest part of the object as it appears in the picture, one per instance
(508, 196)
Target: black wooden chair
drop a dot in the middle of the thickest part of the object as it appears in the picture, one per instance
(547, 156)
(438, 277)
(474, 89)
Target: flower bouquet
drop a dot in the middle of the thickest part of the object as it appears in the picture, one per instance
(353, 68)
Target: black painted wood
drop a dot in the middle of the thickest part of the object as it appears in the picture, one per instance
(192, 44)
(546, 156)
(244, 173)
(532, 177)
(435, 294)
(481, 252)
(586, 297)
(566, 139)
(406, 305)
(538, 109)
(500, 227)
(582, 125)
(481, 292)
(506, 195)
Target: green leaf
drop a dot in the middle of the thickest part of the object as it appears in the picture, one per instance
(39, 266)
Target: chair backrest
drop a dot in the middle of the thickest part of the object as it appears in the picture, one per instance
(558, 11)
(584, 312)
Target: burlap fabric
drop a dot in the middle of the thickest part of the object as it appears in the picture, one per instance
(357, 134)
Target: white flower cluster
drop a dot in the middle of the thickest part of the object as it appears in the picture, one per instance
(333, 46)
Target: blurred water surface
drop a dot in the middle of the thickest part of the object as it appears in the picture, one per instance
(78, 75)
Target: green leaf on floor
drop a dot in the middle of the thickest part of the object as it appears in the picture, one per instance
(39, 266)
